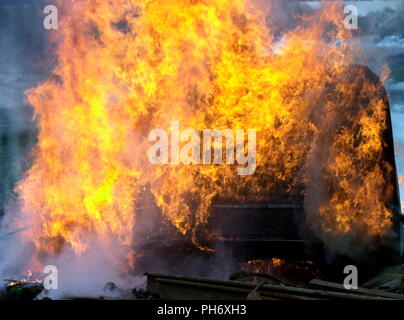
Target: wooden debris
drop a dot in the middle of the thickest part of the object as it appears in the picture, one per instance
(254, 295)
(326, 285)
(243, 274)
(176, 287)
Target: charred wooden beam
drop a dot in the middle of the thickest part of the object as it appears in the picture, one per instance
(326, 285)
(176, 287)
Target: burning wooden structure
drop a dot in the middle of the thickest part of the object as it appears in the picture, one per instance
(280, 227)
(326, 178)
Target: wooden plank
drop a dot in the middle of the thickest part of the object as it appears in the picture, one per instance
(326, 285)
(185, 287)
(392, 276)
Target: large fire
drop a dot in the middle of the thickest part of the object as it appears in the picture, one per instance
(126, 67)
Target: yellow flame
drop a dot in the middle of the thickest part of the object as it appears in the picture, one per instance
(127, 67)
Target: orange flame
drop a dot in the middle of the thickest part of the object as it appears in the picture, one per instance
(127, 67)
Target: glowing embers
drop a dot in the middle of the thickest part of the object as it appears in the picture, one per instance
(282, 271)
